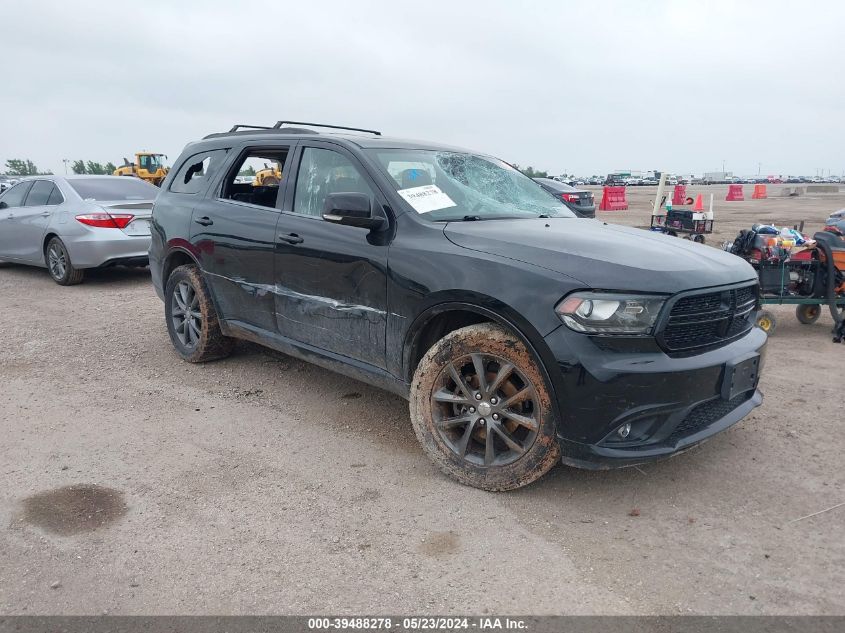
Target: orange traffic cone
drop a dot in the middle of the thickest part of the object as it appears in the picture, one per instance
(699, 204)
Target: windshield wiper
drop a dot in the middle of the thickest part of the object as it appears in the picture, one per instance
(486, 218)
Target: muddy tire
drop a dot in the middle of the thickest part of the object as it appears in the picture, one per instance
(59, 265)
(808, 314)
(482, 410)
(192, 321)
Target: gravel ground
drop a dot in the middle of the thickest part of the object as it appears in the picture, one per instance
(137, 484)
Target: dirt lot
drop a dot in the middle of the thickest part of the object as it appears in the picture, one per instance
(262, 484)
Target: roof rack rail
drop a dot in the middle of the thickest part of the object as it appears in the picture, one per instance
(334, 127)
(235, 128)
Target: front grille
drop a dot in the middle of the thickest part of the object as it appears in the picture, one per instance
(704, 415)
(709, 319)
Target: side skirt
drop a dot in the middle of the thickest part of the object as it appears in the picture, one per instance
(358, 370)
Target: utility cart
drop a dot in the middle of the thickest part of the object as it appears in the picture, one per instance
(809, 279)
(693, 225)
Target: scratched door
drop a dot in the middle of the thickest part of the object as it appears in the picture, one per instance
(331, 283)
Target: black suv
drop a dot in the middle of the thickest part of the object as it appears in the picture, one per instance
(521, 336)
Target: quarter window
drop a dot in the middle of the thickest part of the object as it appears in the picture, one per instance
(56, 197)
(196, 172)
(321, 172)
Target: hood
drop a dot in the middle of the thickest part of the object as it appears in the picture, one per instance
(604, 256)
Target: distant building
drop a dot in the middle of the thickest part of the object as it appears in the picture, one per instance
(718, 176)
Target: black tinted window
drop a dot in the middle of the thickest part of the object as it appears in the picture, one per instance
(39, 194)
(56, 197)
(114, 188)
(196, 172)
(14, 196)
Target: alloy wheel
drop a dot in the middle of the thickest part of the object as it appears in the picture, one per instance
(57, 260)
(185, 314)
(485, 410)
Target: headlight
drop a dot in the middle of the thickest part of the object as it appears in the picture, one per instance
(609, 313)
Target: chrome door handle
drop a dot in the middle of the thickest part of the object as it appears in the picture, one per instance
(204, 221)
(46, 214)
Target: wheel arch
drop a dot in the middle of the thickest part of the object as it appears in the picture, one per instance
(49, 235)
(175, 258)
(438, 320)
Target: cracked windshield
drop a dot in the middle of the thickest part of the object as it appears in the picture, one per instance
(445, 186)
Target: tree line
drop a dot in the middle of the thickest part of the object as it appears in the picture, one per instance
(25, 167)
(531, 172)
(90, 167)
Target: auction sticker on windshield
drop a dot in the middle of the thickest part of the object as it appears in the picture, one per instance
(427, 198)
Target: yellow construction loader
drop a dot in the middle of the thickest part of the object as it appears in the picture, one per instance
(148, 166)
(268, 176)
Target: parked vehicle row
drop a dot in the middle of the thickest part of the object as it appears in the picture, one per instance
(580, 201)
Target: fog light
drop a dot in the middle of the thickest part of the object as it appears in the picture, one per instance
(624, 430)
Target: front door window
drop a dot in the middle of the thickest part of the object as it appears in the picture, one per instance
(321, 172)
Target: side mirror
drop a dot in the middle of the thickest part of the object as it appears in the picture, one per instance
(353, 209)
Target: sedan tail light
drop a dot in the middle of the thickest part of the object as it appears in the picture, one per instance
(106, 220)
(570, 197)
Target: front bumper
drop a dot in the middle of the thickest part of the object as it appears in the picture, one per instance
(671, 403)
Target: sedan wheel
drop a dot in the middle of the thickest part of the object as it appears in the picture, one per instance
(59, 265)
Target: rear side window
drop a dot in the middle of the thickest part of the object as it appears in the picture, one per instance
(196, 172)
(116, 188)
(39, 194)
(257, 177)
(14, 196)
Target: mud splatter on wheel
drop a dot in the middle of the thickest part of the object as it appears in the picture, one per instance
(192, 321)
(482, 410)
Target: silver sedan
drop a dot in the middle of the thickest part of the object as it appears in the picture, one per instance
(69, 223)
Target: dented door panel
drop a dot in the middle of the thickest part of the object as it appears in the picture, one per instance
(331, 288)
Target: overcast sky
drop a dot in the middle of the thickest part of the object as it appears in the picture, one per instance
(576, 87)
